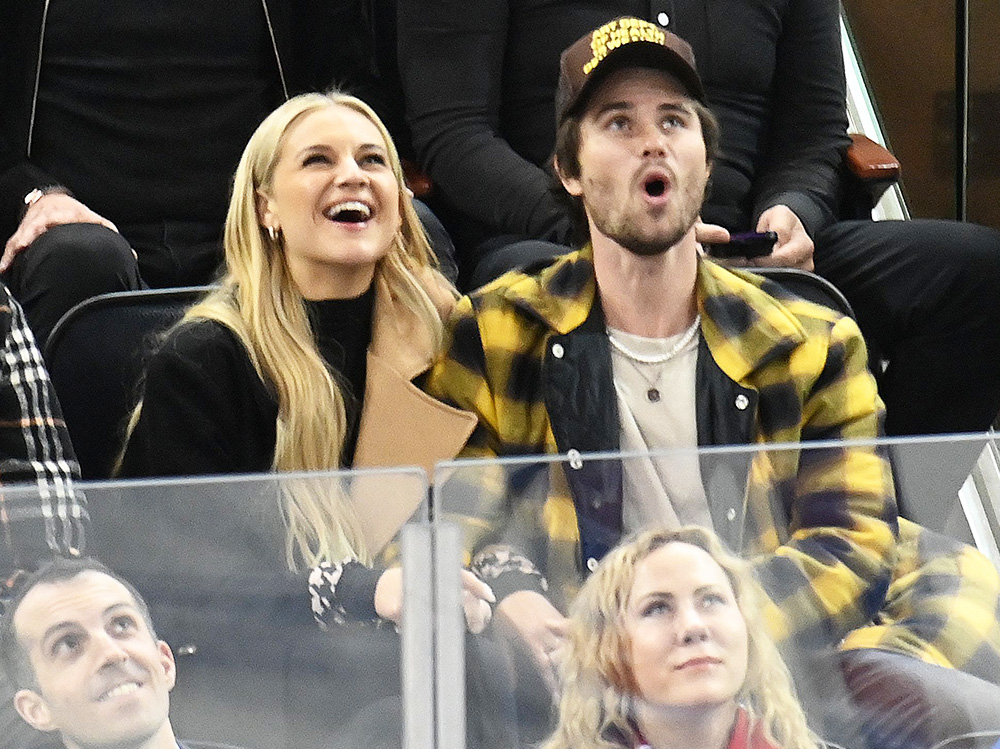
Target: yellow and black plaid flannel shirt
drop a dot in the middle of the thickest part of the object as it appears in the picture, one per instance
(833, 560)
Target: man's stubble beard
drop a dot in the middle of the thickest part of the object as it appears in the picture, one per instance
(625, 233)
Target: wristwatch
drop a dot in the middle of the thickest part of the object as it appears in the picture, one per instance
(38, 193)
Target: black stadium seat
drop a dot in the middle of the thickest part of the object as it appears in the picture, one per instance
(95, 356)
(809, 286)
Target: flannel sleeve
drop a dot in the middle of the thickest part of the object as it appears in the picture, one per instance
(44, 514)
(831, 551)
(480, 498)
(942, 605)
(460, 379)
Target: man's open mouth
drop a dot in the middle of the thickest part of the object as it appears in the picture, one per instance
(655, 186)
(349, 212)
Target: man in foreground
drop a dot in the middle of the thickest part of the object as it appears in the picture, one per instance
(79, 646)
(638, 343)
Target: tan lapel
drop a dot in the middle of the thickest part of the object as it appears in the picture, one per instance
(401, 425)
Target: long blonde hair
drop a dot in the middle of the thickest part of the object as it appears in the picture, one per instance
(595, 709)
(258, 300)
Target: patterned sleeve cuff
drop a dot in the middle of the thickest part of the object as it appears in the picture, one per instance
(506, 572)
(343, 592)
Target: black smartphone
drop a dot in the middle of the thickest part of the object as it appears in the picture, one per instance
(746, 244)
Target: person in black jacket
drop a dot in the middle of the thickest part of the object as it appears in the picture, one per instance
(123, 123)
(303, 358)
(480, 82)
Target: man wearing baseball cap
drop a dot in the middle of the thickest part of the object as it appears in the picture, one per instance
(637, 342)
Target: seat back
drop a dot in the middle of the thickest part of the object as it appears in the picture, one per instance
(96, 356)
(809, 286)
(818, 290)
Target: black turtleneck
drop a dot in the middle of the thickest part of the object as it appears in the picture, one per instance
(343, 330)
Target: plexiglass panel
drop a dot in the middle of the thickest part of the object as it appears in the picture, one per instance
(847, 591)
(811, 556)
(228, 590)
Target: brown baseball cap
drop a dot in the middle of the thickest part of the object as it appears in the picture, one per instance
(624, 42)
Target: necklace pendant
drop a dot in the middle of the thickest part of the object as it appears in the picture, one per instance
(654, 395)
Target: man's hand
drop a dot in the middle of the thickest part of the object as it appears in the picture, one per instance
(710, 234)
(476, 599)
(542, 628)
(50, 210)
(794, 248)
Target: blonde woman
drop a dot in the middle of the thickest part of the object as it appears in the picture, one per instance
(304, 357)
(667, 649)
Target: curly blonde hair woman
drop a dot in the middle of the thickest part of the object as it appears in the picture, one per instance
(667, 649)
(304, 358)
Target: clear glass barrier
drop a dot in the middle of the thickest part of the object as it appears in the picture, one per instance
(845, 598)
(254, 670)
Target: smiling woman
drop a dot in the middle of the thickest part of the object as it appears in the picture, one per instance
(334, 200)
(304, 358)
(667, 649)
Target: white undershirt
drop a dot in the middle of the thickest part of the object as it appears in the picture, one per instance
(666, 491)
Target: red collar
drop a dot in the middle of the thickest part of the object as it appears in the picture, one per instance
(742, 736)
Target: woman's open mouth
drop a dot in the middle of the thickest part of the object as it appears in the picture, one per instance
(349, 212)
(700, 662)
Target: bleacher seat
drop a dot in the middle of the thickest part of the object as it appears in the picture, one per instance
(96, 355)
(809, 286)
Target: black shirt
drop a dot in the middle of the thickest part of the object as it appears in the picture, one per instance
(343, 330)
(144, 106)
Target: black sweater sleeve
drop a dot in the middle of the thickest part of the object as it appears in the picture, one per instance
(451, 58)
(808, 128)
(205, 410)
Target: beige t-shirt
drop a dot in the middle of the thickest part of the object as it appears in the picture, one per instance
(656, 406)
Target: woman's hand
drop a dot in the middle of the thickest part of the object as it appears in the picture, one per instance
(389, 595)
(476, 599)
